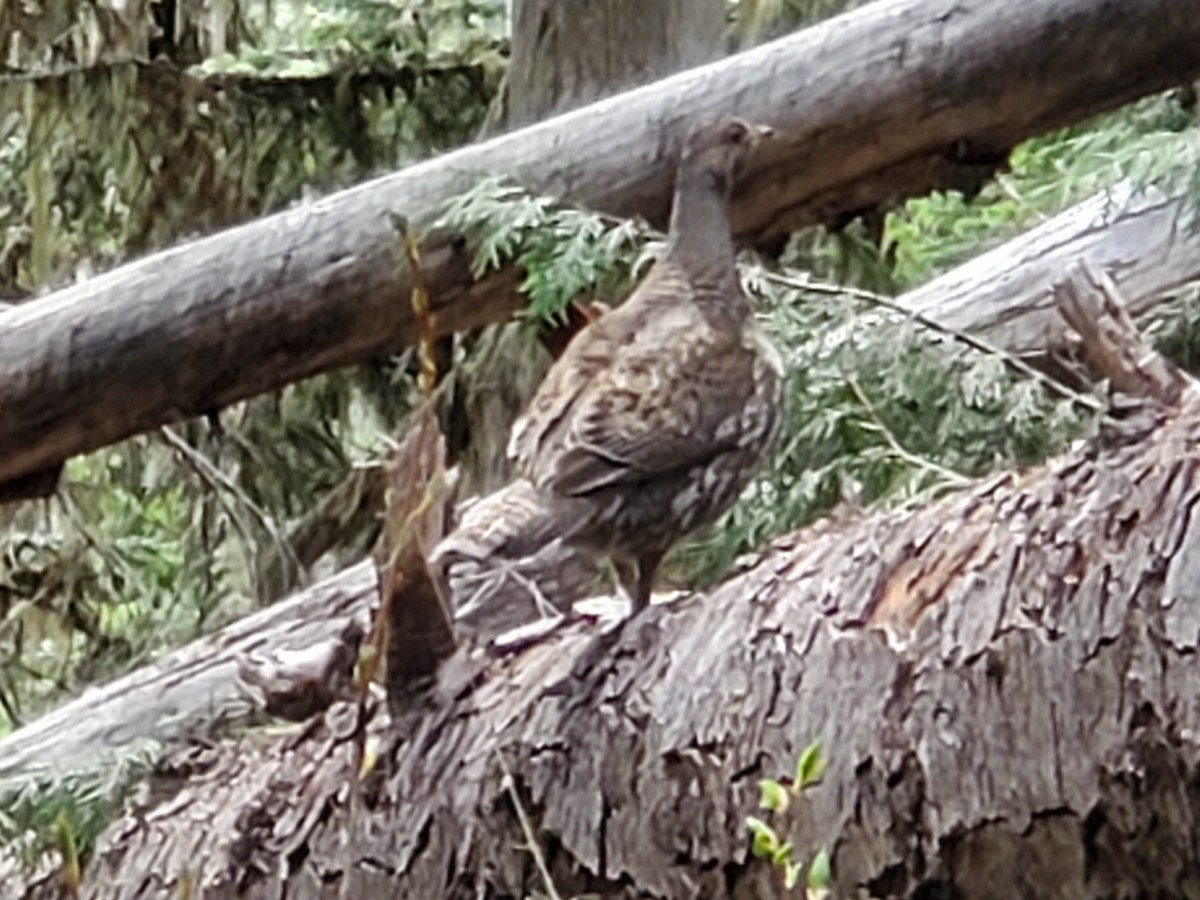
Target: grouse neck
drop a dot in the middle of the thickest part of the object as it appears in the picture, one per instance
(699, 240)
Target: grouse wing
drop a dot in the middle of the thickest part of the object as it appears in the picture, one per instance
(651, 388)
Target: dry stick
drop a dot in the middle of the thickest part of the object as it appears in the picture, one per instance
(975, 343)
(7, 704)
(1090, 302)
(426, 379)
(379, 637)
(12, 617)
(68, 851)
(217, 479)
(426, 320)
(427, 383)
(531, 843)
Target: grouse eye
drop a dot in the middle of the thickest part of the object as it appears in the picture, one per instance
(736, 132)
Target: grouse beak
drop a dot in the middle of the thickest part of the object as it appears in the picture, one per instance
(760, 133)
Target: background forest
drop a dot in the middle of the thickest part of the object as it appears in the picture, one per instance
(112, 145)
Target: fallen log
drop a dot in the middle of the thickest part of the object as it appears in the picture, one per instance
(888, 100)
(1141, 236)
(182, 692)
(1003, 682)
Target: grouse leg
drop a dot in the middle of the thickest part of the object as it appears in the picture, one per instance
(625, 573)
(647, 567)
(635, 575)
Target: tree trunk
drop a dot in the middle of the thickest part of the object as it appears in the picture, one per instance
(568, 54)
(888, 100)
(1003, 682)
(1138, 235)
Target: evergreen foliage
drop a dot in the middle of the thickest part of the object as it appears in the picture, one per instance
(565, 253)
(151, 542)
(43, 813)
(1154, 142)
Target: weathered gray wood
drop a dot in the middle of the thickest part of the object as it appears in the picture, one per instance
(184, 690)
(1004, 684)
(1146, 240)
(887, 100)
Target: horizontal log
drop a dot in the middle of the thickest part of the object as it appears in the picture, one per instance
(888, 100)
(175, 695)
(1140, 236)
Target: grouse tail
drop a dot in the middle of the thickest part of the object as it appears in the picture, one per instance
(512, 523)
(507, 562)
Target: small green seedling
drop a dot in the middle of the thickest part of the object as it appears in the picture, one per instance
(765, 843)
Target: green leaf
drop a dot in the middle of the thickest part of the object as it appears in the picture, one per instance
(819, 875)
(791, 874)
(772, 796)
(810, 766)
(764, 840)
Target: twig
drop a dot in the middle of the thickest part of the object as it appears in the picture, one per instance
(507, 570)
(956, 478)
(1008, 189)
(975, 343)
(106, 550)
(531, 843)
(419, 298)
(15, 719)
(223, 485)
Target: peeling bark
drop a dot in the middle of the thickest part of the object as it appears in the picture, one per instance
(1004, 683)
(886, 101)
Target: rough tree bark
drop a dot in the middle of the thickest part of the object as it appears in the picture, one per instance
(890, 99)
(180, 693)
(566, 55)
(1004, 684)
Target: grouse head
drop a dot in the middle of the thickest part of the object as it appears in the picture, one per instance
(699, 242)
(713, 151)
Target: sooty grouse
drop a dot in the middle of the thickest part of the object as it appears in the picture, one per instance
(657, 414)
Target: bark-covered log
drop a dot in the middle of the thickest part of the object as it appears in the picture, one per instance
(189, 687)
(185, 690)
(1004, 684)
(890, 99)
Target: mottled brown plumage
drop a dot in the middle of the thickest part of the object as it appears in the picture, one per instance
(658, 413)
